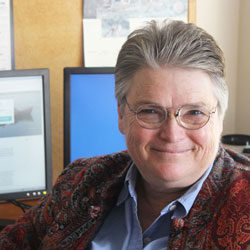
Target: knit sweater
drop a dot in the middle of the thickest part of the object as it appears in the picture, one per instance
(86, 191)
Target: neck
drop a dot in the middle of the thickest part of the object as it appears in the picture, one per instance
(151, 202)
(156, 198)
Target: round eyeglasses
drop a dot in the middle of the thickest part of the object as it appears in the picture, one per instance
(152, 116)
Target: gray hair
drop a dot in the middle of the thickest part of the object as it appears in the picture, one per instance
(173, 43)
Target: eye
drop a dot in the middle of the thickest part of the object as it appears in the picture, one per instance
(150, 114)
(194, 112)
(148, 111)
(194, 115)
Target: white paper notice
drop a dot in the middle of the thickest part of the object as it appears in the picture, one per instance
(6, 111)
(5, 35)
(107, 23)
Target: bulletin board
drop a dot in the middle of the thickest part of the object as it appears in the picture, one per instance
(48, 34)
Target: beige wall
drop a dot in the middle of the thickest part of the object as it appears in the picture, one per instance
(221, 19)
(243, 84)
(228, 21)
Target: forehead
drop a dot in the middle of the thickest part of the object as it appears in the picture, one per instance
(171, 86)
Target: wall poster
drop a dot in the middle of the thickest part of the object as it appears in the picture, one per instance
(6, 35)
(107, 23)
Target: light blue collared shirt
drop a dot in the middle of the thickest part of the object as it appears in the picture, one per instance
(121, 229)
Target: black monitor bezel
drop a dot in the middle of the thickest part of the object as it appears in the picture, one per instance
(68, 71)
(47, 129)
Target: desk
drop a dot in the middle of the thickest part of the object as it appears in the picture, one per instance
(8, 211)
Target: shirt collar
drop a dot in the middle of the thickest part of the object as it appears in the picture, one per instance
(188, 198)
(129, 185)
(184, 203)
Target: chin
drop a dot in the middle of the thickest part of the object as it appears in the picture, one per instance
(174, 169)
(170, 180)
(171, 160)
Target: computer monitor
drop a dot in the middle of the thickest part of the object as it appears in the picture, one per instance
(90, 114)
(25, 135)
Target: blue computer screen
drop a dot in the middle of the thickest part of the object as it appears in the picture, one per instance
(93, 116)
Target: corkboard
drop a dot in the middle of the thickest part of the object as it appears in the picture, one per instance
(48, 34)
(192, 11)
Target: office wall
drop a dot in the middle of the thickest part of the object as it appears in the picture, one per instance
(243, 83)
(48, 34)
(221, 19)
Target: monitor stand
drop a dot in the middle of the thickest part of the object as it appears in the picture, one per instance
(5, 222)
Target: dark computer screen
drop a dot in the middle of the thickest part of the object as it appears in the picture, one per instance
(25, 136)
(90, 113)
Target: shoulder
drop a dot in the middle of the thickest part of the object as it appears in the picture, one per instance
(229, 168)
(229, 175)
(233, 159)
(232, 175)
(220, 213)
(230, 194)
(82, 169)
(93, 178)
(85, 174)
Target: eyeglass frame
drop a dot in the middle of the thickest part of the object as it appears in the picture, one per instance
(176, 115)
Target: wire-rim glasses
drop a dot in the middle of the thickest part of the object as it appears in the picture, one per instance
(152, 116)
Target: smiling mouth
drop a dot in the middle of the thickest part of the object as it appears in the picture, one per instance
(171, 151)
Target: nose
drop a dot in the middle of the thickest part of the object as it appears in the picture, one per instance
(171, 131)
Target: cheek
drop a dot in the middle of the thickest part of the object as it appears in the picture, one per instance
(214, 133)
(207, 140)
(137, 139)
(134, 136)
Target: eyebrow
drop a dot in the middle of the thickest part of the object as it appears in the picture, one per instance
(199, 104)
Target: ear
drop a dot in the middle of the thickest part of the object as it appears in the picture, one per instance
(120, 118)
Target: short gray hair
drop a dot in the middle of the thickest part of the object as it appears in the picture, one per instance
(173, 43)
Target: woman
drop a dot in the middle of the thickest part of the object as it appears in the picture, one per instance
(176, 187)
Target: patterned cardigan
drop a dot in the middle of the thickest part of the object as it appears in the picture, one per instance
(86, 191)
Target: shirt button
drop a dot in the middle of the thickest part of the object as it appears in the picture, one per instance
(146, 240)
(172, 207)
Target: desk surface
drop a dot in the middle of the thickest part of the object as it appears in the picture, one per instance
(12, 212)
